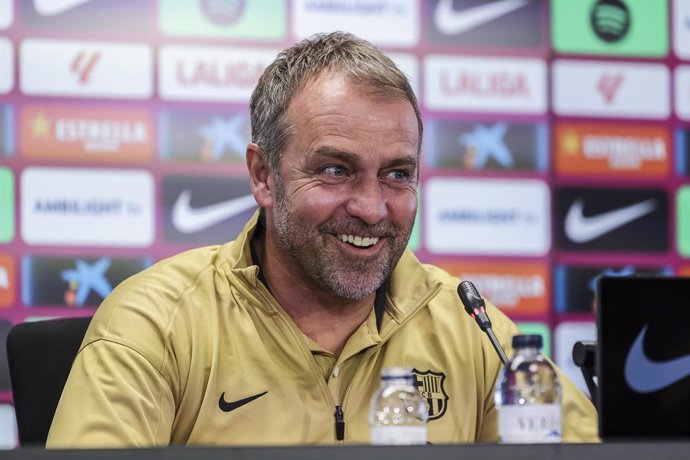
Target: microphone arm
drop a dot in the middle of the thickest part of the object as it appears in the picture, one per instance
(476, 308)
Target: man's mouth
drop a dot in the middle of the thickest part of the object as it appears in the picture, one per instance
(359, 241)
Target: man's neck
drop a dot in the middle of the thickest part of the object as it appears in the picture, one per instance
(323, 317)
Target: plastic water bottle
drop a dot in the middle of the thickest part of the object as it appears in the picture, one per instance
(528, 395)
(398, 413)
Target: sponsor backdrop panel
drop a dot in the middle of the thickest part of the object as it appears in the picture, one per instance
(89, 17)
(520, 289)
(189, 136)
(611, 89)
(486, 145)
(7, 281)
(478, 24)
(6, 13)
(565, 336)
(7, 204)
(6, 131)
(618, 28)
(681, 29)
(87, 207)
(683, 220)
(87, 134)
(205, 210)
(487, 216)
(608, 149)
(262, 20)
(6, 65)
(555, 147)
(386, 23)
(574, 285)
(74, 283)
(612, 220)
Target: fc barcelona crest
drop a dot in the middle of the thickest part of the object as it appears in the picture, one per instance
(430, 385)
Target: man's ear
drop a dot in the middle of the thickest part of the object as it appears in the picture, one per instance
(259, 176)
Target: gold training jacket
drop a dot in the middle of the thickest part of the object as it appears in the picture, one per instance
(195, 350)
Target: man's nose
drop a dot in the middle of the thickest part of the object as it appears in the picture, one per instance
(367, 201)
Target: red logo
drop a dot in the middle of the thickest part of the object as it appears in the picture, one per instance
(608, 86)
(83, 64)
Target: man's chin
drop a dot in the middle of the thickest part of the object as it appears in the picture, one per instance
(356, 287)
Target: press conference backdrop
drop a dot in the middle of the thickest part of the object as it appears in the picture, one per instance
(556, 142)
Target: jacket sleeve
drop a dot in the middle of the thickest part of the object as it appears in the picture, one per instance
(579, 417)
(114, 397)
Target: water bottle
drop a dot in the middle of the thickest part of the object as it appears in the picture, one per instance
(528, 395)
(398, 413)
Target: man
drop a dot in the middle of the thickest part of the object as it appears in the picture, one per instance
(280, 336)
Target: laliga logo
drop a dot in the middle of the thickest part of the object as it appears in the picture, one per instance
(609, 85)
(83, 63)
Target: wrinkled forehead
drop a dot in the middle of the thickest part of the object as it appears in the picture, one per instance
(366, 88)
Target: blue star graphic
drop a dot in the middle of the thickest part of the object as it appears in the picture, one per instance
(488, 142)
(89, 277)
(225, 133)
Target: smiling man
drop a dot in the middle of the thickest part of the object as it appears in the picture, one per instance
(280, 336)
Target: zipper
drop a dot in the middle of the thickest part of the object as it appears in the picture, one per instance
(339, 409)
(339, 423)
(298, 336)
(339, 414)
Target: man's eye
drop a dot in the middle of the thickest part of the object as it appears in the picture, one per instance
(335, 171)
(399, 174)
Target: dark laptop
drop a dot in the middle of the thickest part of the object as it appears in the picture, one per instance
(643, 359)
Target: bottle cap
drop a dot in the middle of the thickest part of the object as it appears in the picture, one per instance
(527, 341)
(396, 373)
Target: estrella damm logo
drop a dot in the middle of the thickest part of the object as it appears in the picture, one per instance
(430, 385)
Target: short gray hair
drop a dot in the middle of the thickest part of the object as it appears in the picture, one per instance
(341, 52)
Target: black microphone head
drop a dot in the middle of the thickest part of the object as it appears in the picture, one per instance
(470, 296)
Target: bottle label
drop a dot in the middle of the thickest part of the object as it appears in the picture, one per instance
(398, 435)
(529, 423)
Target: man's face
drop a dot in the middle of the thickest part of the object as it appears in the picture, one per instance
(347, 196)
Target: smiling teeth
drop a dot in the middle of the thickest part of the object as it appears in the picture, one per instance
(358, 240)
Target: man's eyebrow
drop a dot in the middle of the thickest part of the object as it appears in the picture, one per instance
(336, 154)
(410, 160)
(328, 152)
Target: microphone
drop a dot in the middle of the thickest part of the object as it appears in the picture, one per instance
(476, 308)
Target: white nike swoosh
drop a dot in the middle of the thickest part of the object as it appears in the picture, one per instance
(646, 376)
(450, 21)
(55, 7)
(581, 229)
(186, 219)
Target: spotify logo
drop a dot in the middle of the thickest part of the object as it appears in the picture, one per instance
(610, 19)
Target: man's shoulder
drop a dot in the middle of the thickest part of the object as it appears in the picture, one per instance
(155, 296)
(172, 276)
(435, 278)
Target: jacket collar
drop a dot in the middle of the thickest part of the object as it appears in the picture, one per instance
(409, 286)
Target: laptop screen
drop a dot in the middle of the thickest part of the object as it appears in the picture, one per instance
(643, 359)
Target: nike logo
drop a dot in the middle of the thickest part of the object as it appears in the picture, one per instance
(230, 406)
(646, 376)
(450, 21)
(581, 229)
(55, 7)
(186, 219)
